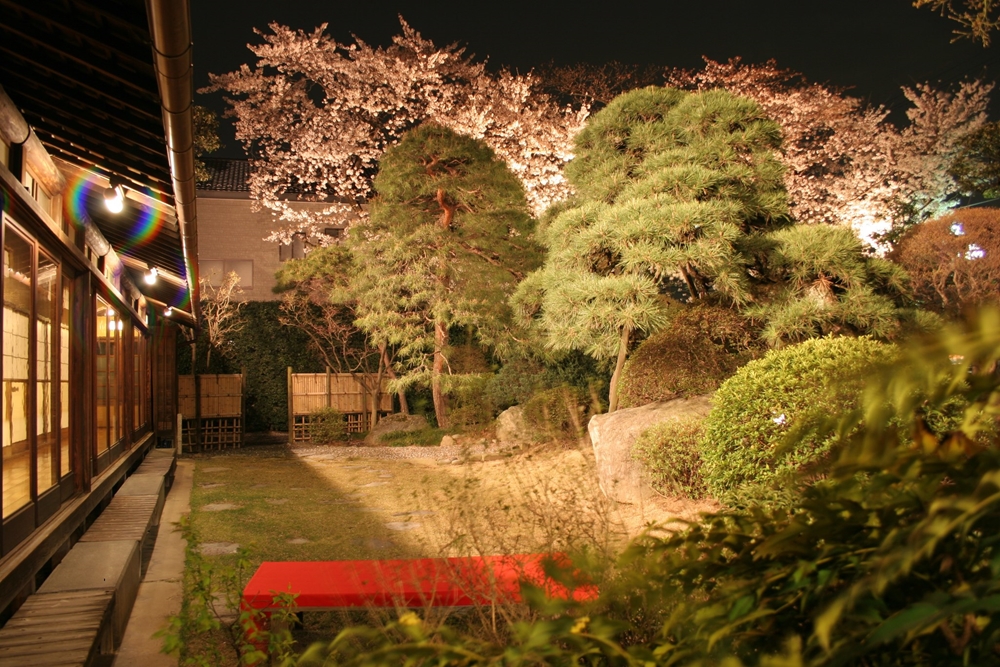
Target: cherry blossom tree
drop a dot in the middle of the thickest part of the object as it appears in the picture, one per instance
(846, 164)
(316, 116)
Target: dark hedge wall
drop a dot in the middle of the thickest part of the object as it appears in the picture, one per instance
(265, 348)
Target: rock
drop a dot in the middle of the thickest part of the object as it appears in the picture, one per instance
(447, 441)
(220, 507)
(392, 424)
(218, 548)
(402, 525)
(511, 427)
(612, 436)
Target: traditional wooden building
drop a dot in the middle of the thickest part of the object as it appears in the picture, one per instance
(100, 259)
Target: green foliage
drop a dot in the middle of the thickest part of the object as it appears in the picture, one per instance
(556, 414)
(448, 238)
(891, 560)
(668, 183)
(425, 437)
(522, 376)
(670, 454)
(206, 139)
(265, 348)
(680, 199)
(825, 283)
(794, 387)
(472, 403)
(701, 346)
(193, 633)
(976, 166)
(327, 426)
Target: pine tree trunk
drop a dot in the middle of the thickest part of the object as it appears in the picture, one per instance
(616, 376)
(404, 407)
(440, 406)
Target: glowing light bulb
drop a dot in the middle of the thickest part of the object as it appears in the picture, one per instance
(114, 199)
(150, 276)
(168, 312)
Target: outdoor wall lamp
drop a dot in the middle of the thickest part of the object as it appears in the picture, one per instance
(114, 195)
(150, 276)
(169, 311)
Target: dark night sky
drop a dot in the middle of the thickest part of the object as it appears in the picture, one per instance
(873, 46)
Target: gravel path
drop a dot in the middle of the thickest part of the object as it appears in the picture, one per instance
(451, 453)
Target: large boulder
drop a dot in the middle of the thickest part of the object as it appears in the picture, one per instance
(511, 427)
(612, 435)
(392, 424)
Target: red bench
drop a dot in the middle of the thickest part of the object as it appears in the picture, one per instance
(420, 582)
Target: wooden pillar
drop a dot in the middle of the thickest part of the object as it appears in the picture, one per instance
(291, 409)
(243, 406)
(329, 389)
(197, 411)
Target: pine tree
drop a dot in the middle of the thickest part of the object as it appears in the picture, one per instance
(671, 187)
(448, 238)
(680, 198)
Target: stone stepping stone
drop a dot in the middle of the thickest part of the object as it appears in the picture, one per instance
(277, 501)
(214, 469)
(218, 548)
(371, 484)
(402, 525)
(211, 485)
(375, 543)
(299, 540)
(416, 513)
(219, 507)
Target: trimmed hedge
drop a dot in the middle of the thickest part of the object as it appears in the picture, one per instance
(700, 347)
(327, 426)
(670, 454)
(754, 410)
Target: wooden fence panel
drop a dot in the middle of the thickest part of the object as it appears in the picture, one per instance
(343, 391)
(213, 419)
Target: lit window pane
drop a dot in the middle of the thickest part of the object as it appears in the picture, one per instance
(46, 316)
(17, 253)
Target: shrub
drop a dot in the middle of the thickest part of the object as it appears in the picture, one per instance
(669, 452)
(700, 347)
(327, 426)
(473, 405)
(754, 411)
(522, 377)
(954, 261)
(425, 437)
(515, 382)
(556, 414)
